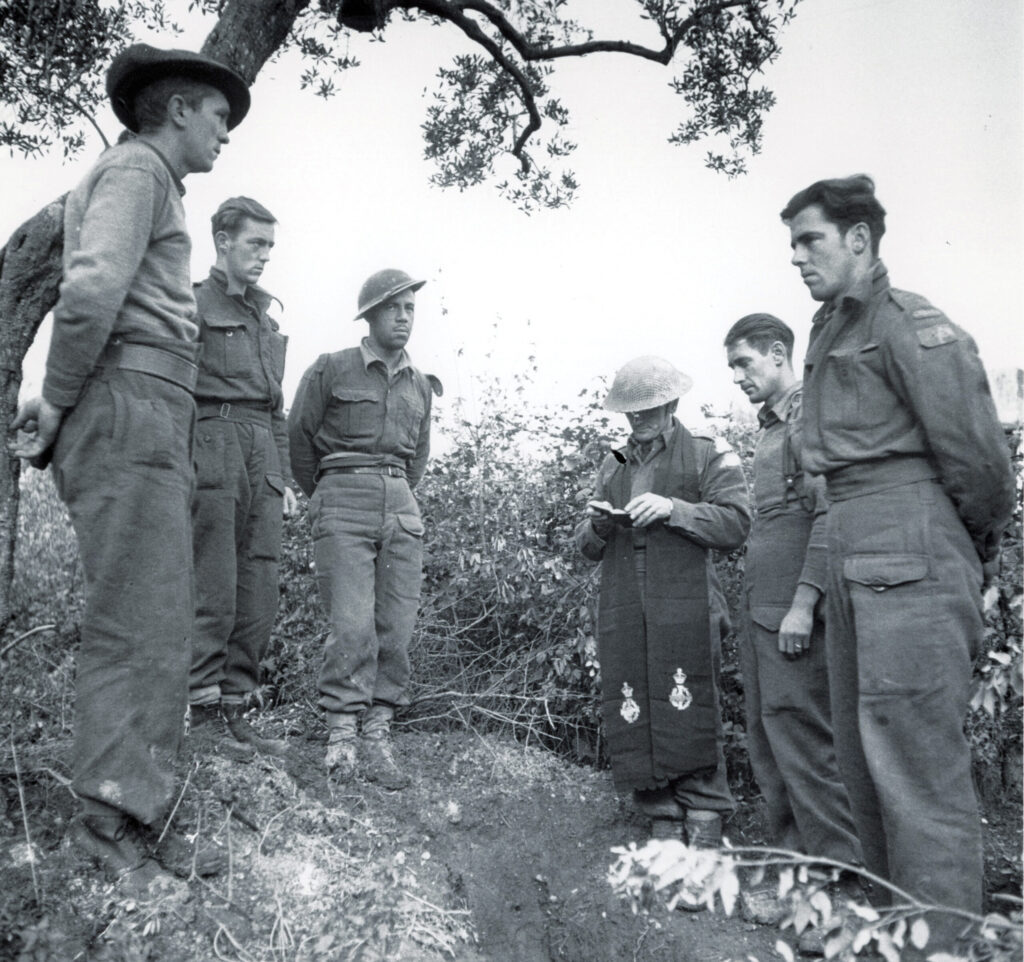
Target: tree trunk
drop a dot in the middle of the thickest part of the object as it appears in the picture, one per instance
(247, 34)
(30, 271)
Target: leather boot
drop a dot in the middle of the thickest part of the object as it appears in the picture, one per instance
(378, 762)
(112, 843)
(208, 734)
(243, 732)
(340, 759)
(703, 828)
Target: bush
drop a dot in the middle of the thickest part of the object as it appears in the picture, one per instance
(505, 637)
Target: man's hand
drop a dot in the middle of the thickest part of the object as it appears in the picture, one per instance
(796, 627)
(649, 507)
(597, 511)
(291, 503)
(36, 424)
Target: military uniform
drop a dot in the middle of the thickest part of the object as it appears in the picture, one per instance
(662, 614)
(898, 417)
(789, 728)
(121, 362)
(241, 457)
(360, 438)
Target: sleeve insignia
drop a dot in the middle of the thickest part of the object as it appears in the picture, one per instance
(936, 335)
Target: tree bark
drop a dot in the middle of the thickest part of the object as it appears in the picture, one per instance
(247, 34)
(30, 273)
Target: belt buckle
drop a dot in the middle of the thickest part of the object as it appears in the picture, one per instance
(225, 410)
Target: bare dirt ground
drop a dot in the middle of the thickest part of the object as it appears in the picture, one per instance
(496, 852)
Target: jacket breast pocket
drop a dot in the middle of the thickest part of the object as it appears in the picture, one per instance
(357, 412)
(227, 350)
(892, 605)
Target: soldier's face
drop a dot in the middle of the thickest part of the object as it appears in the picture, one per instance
(391, 322)
(758, 375)
(646, 425)
(204, 131)
(826, 262)
(244, 256)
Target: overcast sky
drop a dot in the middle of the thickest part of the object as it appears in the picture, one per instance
(658, 254)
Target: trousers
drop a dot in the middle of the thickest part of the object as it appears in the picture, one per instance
(789, 740)
(368, 550)
(904, 621)
(122, 464)
(236, 526)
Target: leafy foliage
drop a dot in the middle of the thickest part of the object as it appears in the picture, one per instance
(487, 106)
(53, 54)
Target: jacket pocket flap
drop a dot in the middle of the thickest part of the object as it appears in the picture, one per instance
(412, 524)
(276, 481)
(885, 571)
(220, 321)
(768, 617)
(353, 394)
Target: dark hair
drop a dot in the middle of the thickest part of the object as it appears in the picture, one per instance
(150, 103)
(845, 201)
(233, 213)
(761, 331)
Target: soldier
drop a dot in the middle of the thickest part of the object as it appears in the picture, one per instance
(359, 432)
(898, 417)
(782, 649)
(241, 496)
(116, 416)
(661, 503)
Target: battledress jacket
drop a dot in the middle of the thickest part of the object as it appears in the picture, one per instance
(242, 360)
(659, 657)
(895, 392)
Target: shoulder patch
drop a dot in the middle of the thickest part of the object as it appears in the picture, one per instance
(724, 454)
(936, 334)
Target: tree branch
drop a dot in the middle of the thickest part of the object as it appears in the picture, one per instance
(530, 51)
(453, 13)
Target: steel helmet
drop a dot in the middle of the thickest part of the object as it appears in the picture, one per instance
(645, 382)
(382, 285)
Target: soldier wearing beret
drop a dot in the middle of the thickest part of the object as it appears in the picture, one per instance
(898, 417)
(661, 504)
(116, 417)
(241, 494)
(359, 434)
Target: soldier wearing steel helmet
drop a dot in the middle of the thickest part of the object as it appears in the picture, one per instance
(661, 503)
(359, 435)
(116, 416)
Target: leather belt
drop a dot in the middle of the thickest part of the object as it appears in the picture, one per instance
(391, 470)
(150, 360)
(256, 412)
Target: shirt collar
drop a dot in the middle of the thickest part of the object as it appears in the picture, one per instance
(254, 295)
(369, 357)
(178, 182)
(782, 408)
(660, 443)
(869, 285)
